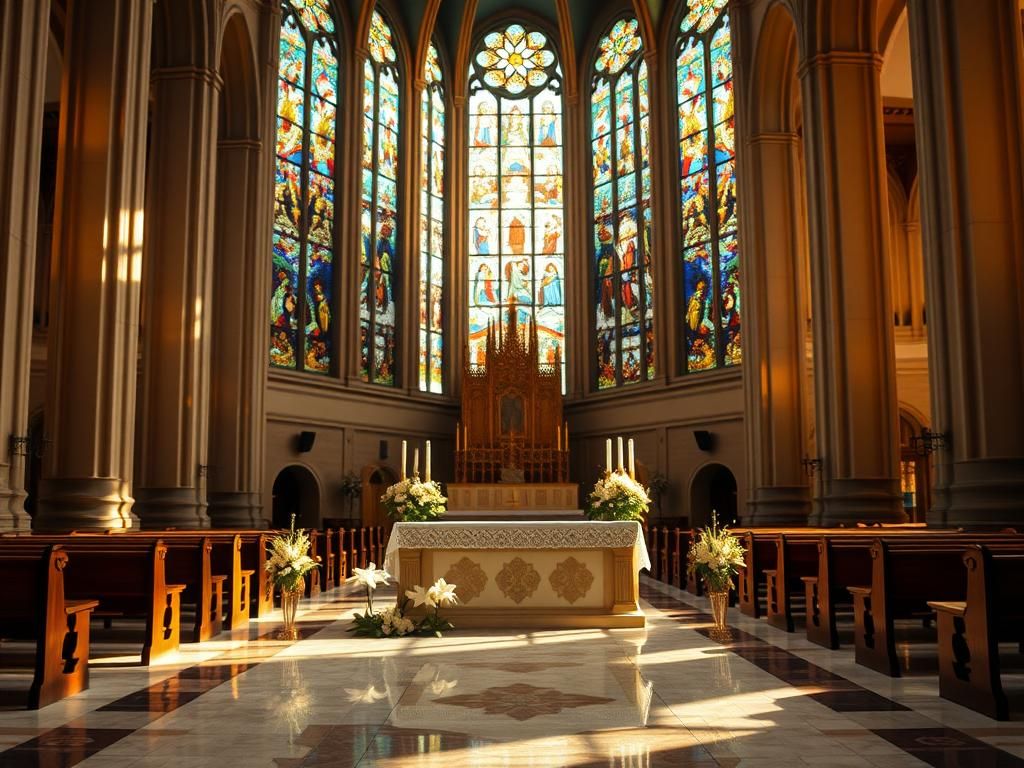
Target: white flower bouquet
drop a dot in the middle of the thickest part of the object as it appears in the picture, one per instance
(392, 621)
(716, 556)
(617, 496)
(288, 559)
(414, 500)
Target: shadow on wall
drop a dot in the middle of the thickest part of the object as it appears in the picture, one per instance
(376, 480)
(713, 488)
(296, 491)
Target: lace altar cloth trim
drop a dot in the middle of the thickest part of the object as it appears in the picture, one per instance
(517, 535)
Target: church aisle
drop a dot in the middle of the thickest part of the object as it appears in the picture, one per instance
(671, 695)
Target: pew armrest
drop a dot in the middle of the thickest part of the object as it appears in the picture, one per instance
(79, 606)
(953, 608)
(861, 591)
(218, 579)
(246, 573)
(809, 579)
(176, 588)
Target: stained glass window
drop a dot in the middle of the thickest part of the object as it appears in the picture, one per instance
(707, 151)
(623, 280)
(302, 334)
(379, 217)
(516, 243)
(432, 226)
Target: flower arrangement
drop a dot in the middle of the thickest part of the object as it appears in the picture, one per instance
(392, 621)
(617, 496)
(716, 556)
(414, 500)
(288, 559)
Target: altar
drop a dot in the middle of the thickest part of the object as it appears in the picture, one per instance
(527, 574)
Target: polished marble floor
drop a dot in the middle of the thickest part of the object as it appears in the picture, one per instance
(674, 694)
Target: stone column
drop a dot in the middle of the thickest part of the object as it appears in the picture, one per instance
(238, 365)
(174, 390)
(967, 69)
(97, 267)
(774, 364)
(24, 33)
(856, 414)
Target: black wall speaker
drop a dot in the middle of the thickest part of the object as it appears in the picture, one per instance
(703, 438)
(306, 440)
(382, 452)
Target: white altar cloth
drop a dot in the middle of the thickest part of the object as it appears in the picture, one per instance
(518, 534)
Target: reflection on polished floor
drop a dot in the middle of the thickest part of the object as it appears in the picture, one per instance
(674, 694)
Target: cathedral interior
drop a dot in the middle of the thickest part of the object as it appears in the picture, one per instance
(762, 238)
(256, 254)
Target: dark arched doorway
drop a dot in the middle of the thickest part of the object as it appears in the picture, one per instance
(713, 489)
(296, 492)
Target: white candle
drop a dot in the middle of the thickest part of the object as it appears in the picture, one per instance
(608, 454)
(427, 477)
(558, 430)
(458, 436)
(415, 462)
(632, 462)
(621, 468)
(405, 457)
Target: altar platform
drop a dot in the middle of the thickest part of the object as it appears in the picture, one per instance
(527, 574)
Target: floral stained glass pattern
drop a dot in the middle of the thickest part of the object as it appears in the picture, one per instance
(379, 215)
(302, 292)
(623, 298)
(432, 231)
(516, 243)
(707, 150)
(515, 60)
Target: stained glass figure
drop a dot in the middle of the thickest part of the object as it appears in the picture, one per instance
(623, 283)
(432, 231)
(516, 241)
(707, 150)
(302, 335)
(379, 257)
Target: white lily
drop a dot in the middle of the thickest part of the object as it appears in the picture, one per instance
(370, 577)
(443, 593)
(420, 596)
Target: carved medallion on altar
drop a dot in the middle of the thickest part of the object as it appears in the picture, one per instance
(512, 443)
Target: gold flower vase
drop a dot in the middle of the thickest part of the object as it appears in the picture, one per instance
(289, 606)
(719, 607)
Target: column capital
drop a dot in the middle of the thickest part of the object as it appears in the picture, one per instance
(831, 59)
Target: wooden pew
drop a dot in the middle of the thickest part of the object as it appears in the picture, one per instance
(129, 580)
(664, 555)
(328, 560)
(970, 630)
(36, 609)
(353, 550)
(905, 576)
(313, 583)
(189, 562)
(341, 556)
(677, 564)
(842, 562)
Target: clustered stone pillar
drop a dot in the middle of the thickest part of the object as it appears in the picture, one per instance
(176, 278)
(967, 75)
(97, 267)
(856, 414)
(775, 374)
(239, 336)
(24, 32)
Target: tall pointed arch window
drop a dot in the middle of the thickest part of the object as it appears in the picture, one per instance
(704, 95)
(623, 282)
(516, 244)
(302, 334)
(432, 233)
(379, 258)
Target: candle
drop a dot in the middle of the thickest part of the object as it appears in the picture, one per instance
(608, 455)
(405, 448)
(621, 468)
(415, 462)
(427, 477)
(632, 462)
(558, 429)
(458, 436)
